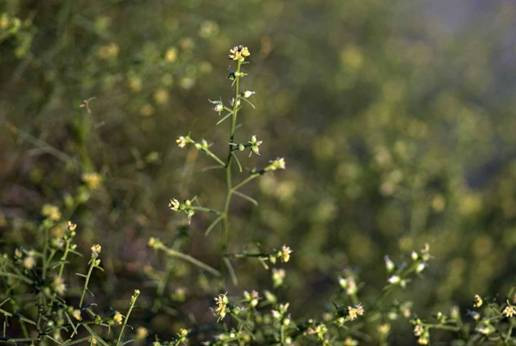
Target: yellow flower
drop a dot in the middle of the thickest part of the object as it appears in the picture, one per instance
(59, 285)
(95, 250)
(239, 53)
(384, 328)
(509, 311)
(355, 311)
(221, 302)
(92, 180)
(141, 333)
(171, 55)
(279, 163)
(477, 302)
(284, 254)
(161, 96)
(51, 212)
(29, 262)
(108, 51)
(118, 318)
(77, 314)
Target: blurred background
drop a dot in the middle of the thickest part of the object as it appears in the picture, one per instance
(397, 120)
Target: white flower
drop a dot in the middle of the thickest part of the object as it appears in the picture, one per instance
(182, 141)
(395, 279)
(254, 144)
(218, 106)
(248, 93)
(389, 264)
(174, 204)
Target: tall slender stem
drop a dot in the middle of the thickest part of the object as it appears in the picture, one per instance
(229, 187)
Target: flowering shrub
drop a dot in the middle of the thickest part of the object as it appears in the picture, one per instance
(41, 303)
(397, 130)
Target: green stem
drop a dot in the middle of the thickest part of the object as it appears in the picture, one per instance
(229, 188)
(188, 258)
(133, 302)
(85, 288)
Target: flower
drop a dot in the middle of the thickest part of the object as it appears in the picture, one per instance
(355, 311)
(394, 279)
(218, 106)
(420, 267)
(477, 301)
(349, 285)
(95, 250)
(92, 180)
(284, 254)
(29, 262)
(182, 141)
(71, 226)
(171, 55)
(509, 311)
(59, 285)
(239, 53)
(389, 264)
(254, 144)
(221, 307)
(183, 207)
(51, 212)
(278, 275)
(118, 318)
(252, 298)
(279, 163)
(154, 243)
(174, 204)
(182, 334)
(141, 333)
(248, 93)
(77, 314)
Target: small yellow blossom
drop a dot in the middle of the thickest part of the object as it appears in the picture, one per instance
(284, 254)
(509, 311)
(95, 250)
(182, 334)
(51, 212)
(92, 180)
(141, 333)
(239, 53)
(355, 311)
(154, 243)
(161, 96)
(108, 51)
(71, 226)
(135, 84)
(171, 55)
(118, 318)
(59, 285)
(278, 276)
(477, 301)
(279, 163)
(384, 328)
(221, 307)
(77, 314)
(182, 141)
(349, 285)
(29, 262)
(350, 342)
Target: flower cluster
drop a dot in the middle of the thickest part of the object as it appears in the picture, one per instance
(239, 53)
